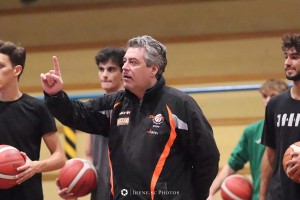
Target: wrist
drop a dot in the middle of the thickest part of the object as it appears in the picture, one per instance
(53, 95)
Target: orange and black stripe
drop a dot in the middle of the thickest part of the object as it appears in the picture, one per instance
(110, 165)
(161, 162)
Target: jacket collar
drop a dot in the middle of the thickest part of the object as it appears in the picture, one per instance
(151, 91)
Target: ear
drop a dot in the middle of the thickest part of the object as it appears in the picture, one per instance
(154, 70)
(18, 69)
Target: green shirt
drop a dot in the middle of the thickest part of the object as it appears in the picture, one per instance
(249, 149)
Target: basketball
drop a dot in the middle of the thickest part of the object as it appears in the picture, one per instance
(10, 160)
(236, 187)
(286, 157)
(79, 176)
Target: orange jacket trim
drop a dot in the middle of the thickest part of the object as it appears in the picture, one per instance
(164, 155)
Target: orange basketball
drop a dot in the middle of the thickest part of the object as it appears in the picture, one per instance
(236, 187)
(10, 160)
(79, 175)
(286, 157)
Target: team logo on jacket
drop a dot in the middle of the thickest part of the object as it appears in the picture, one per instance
(157, 119)
(127, 112)
(152, 132)
(123, 121)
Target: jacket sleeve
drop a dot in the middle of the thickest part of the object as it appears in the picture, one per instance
(240, 155)
(76, 114)
(202, 149)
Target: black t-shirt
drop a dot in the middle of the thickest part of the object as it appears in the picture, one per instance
(282, 128)
(22, 124)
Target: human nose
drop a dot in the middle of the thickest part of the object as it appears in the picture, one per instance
(267, 99)
(105, 72)
(288, 61)
(125, 66)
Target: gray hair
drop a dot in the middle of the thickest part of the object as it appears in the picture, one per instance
(155, 51)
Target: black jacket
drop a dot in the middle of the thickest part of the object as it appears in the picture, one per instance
(160, 148)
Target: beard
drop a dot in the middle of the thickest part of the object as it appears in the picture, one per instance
(293, 78)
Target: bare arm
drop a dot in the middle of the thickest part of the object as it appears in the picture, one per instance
(216, 185)
(55, 161)
(266, 171)
(57, 158)
(88, 148)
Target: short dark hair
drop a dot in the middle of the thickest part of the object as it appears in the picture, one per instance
(291, 41)
(16, 54)
(114, 54)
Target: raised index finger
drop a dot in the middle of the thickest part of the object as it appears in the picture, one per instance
(56, 65)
